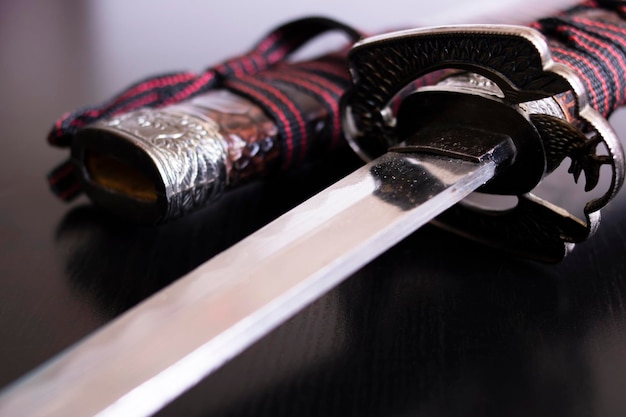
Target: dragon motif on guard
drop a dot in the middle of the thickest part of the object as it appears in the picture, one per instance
(516, 64)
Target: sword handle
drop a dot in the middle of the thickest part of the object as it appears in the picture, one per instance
(516, 63)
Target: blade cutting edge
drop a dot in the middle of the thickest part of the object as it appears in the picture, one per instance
(151, 354)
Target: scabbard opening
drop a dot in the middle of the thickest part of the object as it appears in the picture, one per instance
(120, 177)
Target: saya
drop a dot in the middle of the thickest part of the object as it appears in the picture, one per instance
(512, 106)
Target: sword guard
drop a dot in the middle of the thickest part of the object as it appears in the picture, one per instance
(500, 79)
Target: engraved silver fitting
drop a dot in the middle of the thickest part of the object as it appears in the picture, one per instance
(149, 165)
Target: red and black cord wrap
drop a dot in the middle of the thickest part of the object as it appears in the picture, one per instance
(591, 39)
(254, 75)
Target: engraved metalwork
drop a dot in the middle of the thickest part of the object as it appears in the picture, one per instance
(513, 64)
(251, 137)
(512, 57)
(470, 82)
(188, 151)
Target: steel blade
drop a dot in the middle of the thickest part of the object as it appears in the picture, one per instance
(157, 350)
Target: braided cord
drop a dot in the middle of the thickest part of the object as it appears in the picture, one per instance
(591, 39)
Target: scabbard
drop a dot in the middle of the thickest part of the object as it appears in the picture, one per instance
(173, 143)
(151, 165)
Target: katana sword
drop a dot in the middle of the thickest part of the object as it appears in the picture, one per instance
(501, 124)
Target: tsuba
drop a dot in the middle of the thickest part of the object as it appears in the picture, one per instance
(490, 70)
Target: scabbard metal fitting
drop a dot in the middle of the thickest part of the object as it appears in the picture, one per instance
(149, 165)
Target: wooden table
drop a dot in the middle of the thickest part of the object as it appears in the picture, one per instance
(437, 326)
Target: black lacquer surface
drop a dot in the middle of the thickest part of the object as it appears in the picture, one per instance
(437, 326)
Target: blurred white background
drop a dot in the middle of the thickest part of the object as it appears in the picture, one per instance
(192, 34)
(130, 39)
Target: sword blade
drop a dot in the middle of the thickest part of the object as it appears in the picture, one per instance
(154, 352)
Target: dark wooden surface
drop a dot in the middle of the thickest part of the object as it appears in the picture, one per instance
(437, 326)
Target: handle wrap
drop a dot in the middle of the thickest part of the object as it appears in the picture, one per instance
(591, 39)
